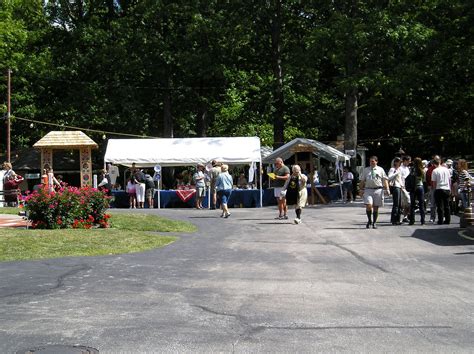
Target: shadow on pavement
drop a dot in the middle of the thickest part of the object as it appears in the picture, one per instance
(463, 253)
(442, 237)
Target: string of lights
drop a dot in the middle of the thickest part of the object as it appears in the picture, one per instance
(440, 136)
(104, 132)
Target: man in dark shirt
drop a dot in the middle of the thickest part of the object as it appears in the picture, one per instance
(282, 173)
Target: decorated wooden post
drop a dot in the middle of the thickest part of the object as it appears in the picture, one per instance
(46, 158)
(64, 140)
(86, 166)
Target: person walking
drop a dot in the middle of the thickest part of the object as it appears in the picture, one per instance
(224, 185)
(281, 174)
(441, 184)
(405, 195)
(347, 179)
(373, 182)
(214, 173)
(149, 189)
(48, 179)
(463, 177)
(418, 193)
(200, 183)
(295, 191)
(139, 178)
(132, 192)
(431, 191)
(395, 181)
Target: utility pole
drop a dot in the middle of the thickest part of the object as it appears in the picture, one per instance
(8, 113)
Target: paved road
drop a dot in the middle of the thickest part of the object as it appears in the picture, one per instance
(253, 284)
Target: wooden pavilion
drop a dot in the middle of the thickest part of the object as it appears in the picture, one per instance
(62, 140)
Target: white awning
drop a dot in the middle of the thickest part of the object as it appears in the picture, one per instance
(322, 150)
(183, 151)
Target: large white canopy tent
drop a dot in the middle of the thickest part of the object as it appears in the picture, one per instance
(184, 151)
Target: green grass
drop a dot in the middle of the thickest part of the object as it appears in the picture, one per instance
(129, 233)
(10, 210)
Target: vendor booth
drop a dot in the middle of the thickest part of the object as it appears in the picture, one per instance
(185, 152)
(301, 150)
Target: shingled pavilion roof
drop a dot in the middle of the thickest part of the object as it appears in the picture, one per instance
(65, 140)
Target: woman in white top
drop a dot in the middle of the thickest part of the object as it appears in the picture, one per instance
(295, 191)
(396, 183)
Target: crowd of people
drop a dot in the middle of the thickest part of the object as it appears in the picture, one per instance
(415, 184)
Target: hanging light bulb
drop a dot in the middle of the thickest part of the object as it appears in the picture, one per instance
(104, 137)
(32, 125)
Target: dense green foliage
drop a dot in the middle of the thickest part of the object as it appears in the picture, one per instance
(276, 69)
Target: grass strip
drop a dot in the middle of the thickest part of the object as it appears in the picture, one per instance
(10, 210)
(129, 233)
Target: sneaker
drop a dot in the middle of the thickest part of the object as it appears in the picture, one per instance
(374, 225)
(279, 218)
(285, 217)
(405, 219)
(226, 215)
(297, 221)
(368, 225)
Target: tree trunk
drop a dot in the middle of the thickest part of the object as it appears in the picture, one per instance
(351, 104)
(350, 132)
(278, 119)
(167, 118)
(201, 116)
(201, 121)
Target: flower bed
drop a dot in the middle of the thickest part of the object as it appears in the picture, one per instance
(69, 207)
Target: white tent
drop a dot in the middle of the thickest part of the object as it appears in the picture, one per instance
(319, 149)
(184, 151)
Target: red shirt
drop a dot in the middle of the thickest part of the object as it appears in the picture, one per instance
(428, 174)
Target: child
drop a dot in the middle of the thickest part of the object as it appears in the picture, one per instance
(132, 195)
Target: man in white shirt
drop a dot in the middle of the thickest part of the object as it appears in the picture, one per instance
(441, 184)
(373, 181)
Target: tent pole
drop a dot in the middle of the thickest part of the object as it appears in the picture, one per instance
(260, 174)
(339, 175)
(209, 197)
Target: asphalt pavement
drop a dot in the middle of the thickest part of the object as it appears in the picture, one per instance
(251, 283)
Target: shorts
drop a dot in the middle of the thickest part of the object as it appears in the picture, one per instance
(149, 193)
(373, 197)
(224, 195)
(200, 192)
(213, 188)
(140, 192)
(277, 193)
(347, 186)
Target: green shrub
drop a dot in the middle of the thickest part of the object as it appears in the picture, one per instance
(69, 207)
